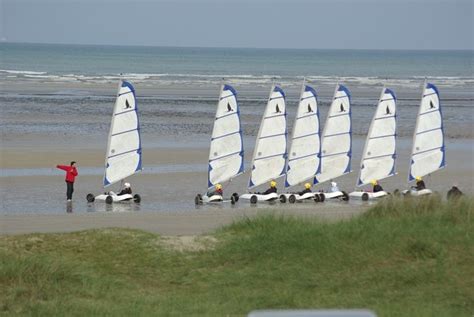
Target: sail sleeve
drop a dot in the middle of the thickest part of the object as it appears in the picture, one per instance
(226, 154)
(124, 150)
(304, 154)
(428, 152)
(336, 139)
(379, 154)
(270, 151)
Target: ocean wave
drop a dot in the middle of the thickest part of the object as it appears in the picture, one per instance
(170, 79)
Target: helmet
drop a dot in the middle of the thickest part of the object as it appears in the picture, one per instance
(273, 184)
(126, 185)
(218, 186)
(418, 178)
(307, 185)
(373, 182)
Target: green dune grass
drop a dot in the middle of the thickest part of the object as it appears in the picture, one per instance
(403, 257)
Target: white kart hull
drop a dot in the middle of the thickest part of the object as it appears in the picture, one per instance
(367, 195)
(261, 198)
(212, 199)
(416, 193)
(334, 195)
(287, 197)
(115, 198)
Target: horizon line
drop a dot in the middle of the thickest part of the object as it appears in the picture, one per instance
(241, 47)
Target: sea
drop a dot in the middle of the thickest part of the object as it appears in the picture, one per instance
(69, 90)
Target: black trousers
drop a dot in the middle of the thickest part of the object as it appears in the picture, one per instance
(70, 189)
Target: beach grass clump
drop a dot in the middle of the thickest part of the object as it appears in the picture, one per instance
(403, 257)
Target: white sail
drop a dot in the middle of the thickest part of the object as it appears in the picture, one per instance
(336, 140)
(304, 155)
(226, 154)
(269, 155)
(428, 153)
(378, 157)
(124, 150)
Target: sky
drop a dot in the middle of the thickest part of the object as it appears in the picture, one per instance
(320, 24)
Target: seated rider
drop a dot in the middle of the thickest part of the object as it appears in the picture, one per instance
(420, 184)
(218, 191)
(127, 189)
(334, 187)
(272, 189)
(307, 189)
(454, 192)
(377, 187)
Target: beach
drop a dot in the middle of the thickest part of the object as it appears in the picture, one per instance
(52, 117)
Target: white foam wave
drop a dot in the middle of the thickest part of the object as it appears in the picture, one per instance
(28, 72)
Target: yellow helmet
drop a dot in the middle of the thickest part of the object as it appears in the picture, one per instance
(273, 184)
(218, 186)
(373, 182)
(418, 178)
(307, 185)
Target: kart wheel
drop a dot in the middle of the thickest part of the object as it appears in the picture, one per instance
(232, 200)
(253, 199)
(317, 198)
(282, 199)
(137, 198)
(109, 200)
(365, 197)
(322, 198)
(292, 199)
(396, 193)
(236, 196)
(90, 198)
(197, 199)
(345, 196)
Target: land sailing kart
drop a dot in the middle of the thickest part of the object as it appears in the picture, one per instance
(368, 195)
(111, 197)
(254, 198)
(204, 199)
(295, 197)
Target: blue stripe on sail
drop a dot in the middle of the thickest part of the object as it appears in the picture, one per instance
(430, 130)
(429, 85)
(381, 136)
(306, 135)
(226, 115)
(378, 156)
(221, 157)
(230, 88)
(391, 92)
(436, 148)
(139, 165)
(311, 90)
(344, 89)
(388, 117)
(125, 93)
(224, 135)
(131, 130)
(271, 136)
(308, 115)
(427, 112)
(278, 89)
(305, 156)
(135, 150)
(336, 134)
(129, 85)
(275, 116)
(274, 155)
(334, 154)
(119, 113)
(338, 115)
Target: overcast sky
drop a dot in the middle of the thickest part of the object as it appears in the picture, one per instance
(347, 24)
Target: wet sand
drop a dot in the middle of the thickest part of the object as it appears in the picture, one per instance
(169, 223)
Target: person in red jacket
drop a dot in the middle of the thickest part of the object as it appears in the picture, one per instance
(71, 173)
